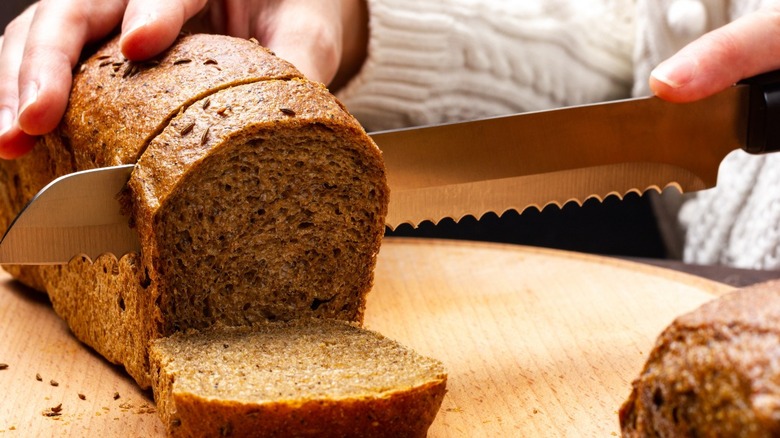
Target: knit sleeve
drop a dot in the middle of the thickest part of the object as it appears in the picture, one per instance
(738, 222)
(433, 61)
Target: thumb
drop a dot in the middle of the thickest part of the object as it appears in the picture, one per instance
(719, 59)
(151, 26)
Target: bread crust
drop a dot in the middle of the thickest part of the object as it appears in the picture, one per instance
(407, 413)
(117, 107)
(713, 372)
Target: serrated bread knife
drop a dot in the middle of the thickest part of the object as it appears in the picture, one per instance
(470, 168)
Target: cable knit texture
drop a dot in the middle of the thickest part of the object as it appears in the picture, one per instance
(439, 61)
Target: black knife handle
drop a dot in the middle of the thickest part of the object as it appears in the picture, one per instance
(763, 130)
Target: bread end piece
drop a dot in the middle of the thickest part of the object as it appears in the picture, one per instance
(713, 372)
(300, 378)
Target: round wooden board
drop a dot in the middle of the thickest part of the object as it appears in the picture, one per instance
(536, 342)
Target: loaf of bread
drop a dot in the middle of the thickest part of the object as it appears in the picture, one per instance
(714, 372)
(256, 197)
(323, 378)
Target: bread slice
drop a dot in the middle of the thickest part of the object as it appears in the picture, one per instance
(321, 378)
(713, 372)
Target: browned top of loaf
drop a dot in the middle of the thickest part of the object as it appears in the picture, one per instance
(232, 116)
(117, 106)
(757, 307)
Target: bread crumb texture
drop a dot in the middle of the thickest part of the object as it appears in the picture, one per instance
(713, 372)
(298, 378)
(309, 200)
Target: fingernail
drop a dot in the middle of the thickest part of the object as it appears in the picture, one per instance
(675, 72)
(28, 97)
(6, 120)
(136, 24)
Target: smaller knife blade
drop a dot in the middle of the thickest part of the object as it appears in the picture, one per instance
(76, 214)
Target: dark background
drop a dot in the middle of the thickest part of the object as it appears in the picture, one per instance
(11, 8)
(613, 227)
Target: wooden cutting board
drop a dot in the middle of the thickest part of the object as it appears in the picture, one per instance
(536, 342)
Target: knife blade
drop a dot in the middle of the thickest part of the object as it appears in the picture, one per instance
(470, 168)
(76, 214)
(573, 154)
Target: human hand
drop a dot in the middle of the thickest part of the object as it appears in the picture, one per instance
(743, 48)
(326, 40)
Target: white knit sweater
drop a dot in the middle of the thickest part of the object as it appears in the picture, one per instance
(433, 61)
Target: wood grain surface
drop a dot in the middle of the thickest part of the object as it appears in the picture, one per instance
(536, 342)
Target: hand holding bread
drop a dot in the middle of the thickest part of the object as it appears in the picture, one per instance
(324, 39)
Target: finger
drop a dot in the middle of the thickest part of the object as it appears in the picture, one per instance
(743, 48)
(151, 26)
(58, 32)
(309, 35)
(11, 55)
(13, 141)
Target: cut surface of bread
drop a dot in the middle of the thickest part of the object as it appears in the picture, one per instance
(300, 378)
(259, 203)
(713, 372)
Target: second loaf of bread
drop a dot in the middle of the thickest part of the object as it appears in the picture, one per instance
(713, 372)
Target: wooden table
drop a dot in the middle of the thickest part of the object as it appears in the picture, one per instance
(536, 342)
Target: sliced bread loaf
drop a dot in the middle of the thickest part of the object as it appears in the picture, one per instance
(256, 196)
(270, 196)
(322, 378)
